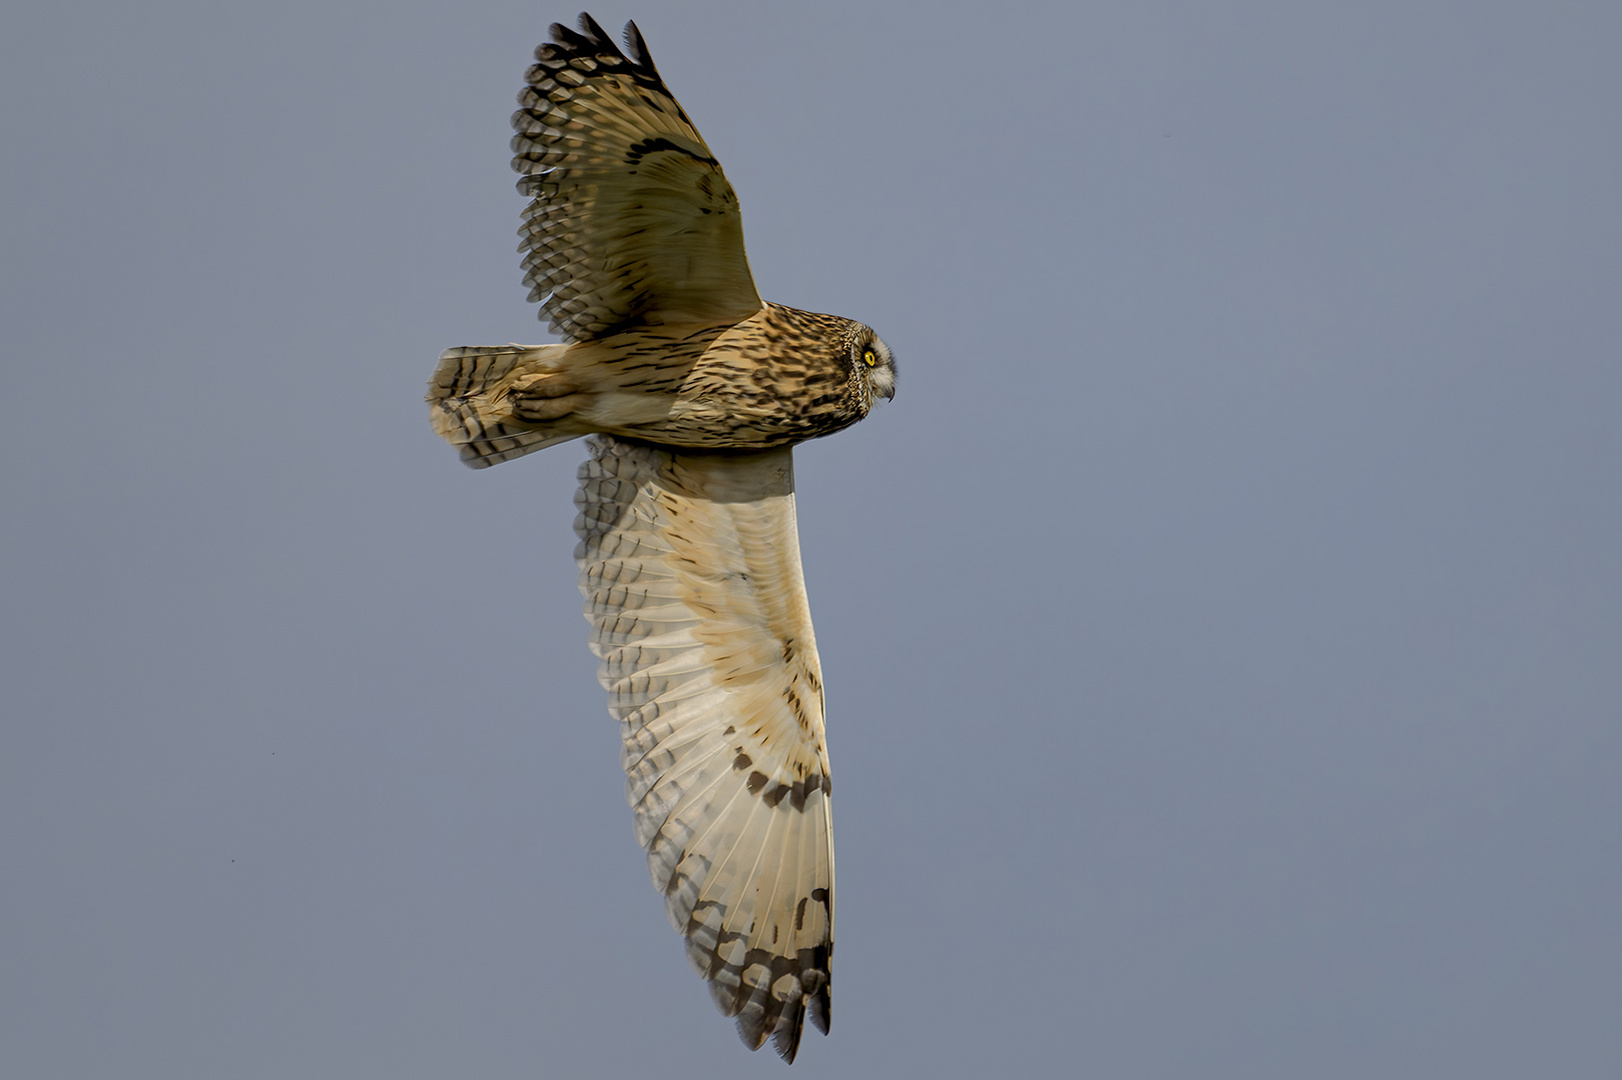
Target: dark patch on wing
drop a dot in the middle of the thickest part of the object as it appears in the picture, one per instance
(772, 792)
(640, 150)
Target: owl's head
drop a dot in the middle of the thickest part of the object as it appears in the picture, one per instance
(872, 365)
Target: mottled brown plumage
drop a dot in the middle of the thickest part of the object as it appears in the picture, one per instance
(779, 377)
(695, 390)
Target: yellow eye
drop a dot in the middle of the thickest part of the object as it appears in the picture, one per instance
(870, 358)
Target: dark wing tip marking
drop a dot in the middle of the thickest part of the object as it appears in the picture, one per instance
(592, 40)
(595, 32)
(751, 989)
(639, 49)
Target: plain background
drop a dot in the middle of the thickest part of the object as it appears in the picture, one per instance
(1223, 626)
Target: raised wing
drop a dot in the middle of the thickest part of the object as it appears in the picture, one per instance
(633, 221)
(690, 565)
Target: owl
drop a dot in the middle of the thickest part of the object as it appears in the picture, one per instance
(694, 392)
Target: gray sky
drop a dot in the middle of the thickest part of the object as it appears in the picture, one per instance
(1223, 627)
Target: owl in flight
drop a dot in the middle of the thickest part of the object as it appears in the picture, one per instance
(694, 391)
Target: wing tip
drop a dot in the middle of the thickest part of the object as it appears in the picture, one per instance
(568, 43)
(638, 46)
(592, 40)
(594, 31)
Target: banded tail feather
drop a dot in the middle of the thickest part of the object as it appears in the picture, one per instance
(472, 408)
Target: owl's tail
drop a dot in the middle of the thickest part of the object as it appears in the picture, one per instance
(471, 407)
